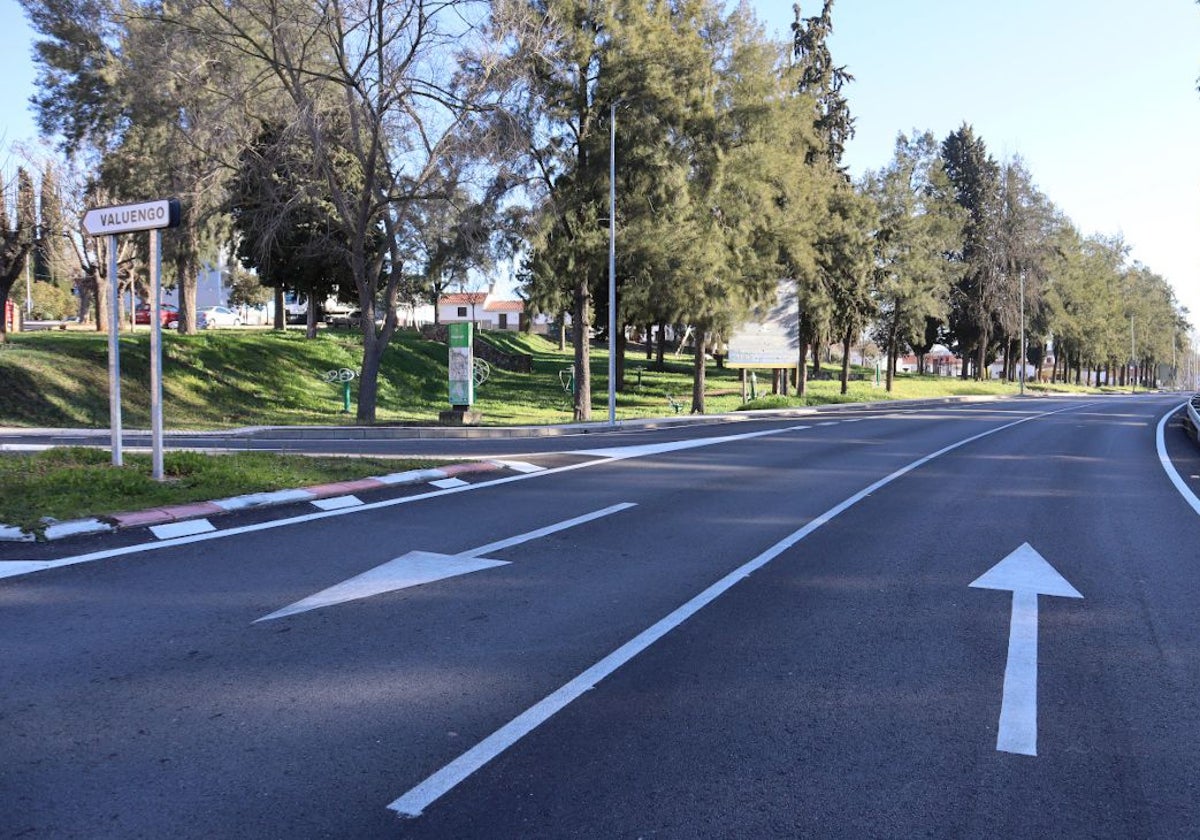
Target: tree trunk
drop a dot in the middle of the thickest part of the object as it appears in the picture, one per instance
(649, 342)
(310, 318)
(698, 372)
(368, 379)
(581, 319)
(6, 284)
(660, 363)
(621, 345)
(185, 284)
(849, 337)
(280, 310)
(562, 332)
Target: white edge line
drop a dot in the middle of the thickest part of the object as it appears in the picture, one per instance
(412, 803)
(307, 517)
(1165, 460)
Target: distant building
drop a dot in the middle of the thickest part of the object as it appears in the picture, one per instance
(487, 311)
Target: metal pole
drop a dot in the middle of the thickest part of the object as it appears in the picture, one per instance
(114, 352)
(1132, 359)
(1022, 333)
(612, 264)
(156, 390)
(28, 286)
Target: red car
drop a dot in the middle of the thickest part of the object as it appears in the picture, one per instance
(169, 315)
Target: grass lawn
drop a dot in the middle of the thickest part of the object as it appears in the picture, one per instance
(229, 378)
(73, 482)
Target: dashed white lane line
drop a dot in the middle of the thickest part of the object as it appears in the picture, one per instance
(187, 528)
(448, 483)
(618, 453)
(337, 502)
(520, 466)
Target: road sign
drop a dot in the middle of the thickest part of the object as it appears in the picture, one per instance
(126, 218)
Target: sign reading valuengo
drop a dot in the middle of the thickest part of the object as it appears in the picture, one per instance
(126, 218)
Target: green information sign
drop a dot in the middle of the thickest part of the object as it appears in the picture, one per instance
(462, 364)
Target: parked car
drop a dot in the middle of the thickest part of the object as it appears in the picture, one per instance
(219, 316)
(168, 314)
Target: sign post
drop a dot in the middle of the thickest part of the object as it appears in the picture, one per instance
(129, 218)
(462, 380)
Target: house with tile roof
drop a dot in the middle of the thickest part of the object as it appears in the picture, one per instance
(483, 308)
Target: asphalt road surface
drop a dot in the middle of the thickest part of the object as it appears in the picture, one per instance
(971, 621)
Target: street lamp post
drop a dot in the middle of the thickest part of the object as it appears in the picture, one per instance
(1022, 376)
(612, 264)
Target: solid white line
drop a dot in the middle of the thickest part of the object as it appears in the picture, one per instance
(182, 529)
(1018, 708)
(1165, 460)
(412, 803)
(500, 545)
(108, 553)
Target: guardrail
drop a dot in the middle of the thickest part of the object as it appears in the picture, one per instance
(1193, 415)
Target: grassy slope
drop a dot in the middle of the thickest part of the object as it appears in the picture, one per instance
(236, 378)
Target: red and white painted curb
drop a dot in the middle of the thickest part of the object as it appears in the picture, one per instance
(157, 518)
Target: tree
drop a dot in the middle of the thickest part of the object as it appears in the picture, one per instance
(821, 79)
(975, 176)
(1024, 231)
(17, 236)
(137, 99)
(920, 227)
(373, 87)
(284, 230)
(557, 51)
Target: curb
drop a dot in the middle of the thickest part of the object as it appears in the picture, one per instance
(191, 510)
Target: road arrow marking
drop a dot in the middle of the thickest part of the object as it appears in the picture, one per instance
(412, 569)
(420, 567)
(1026, 574)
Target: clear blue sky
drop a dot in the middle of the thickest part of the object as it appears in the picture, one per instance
(1097, 96)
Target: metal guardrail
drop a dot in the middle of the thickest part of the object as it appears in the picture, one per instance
(1193, 414)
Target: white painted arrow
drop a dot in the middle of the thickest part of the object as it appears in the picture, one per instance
(1026, 574)
(412, 569)
(420, 567)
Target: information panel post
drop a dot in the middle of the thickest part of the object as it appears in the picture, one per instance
(462, 363)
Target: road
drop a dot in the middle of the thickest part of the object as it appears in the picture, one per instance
(765, 629)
